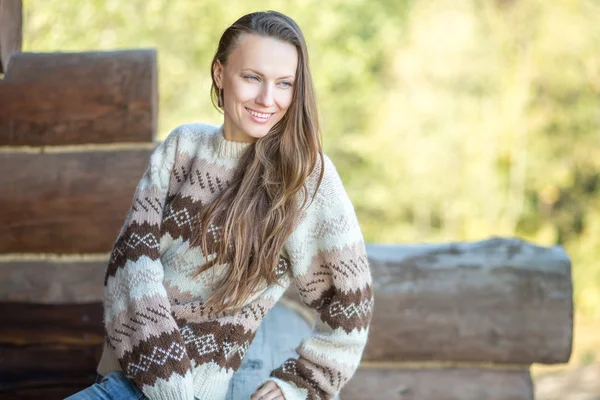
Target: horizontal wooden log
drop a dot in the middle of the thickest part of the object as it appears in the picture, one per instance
(24, 367)
(499, 300)
(11, 30)
(95, 97)
(52, 281)
(53, 391)
(30, 325)
(446, 384)
(66, 203)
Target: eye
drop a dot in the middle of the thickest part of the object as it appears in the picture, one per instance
(286, 83)
(251, 77)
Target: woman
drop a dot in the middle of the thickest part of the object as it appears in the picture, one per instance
(224, 220)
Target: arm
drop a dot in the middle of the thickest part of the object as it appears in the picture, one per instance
(332, 274)
(137, 317)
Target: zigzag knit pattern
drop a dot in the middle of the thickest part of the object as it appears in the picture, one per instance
(158, 329)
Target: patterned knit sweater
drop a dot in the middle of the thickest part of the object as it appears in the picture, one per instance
(157, 329)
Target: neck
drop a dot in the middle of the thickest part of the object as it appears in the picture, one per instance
(228, 148)
(235, 135)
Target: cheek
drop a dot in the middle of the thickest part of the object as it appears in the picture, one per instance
(285, 100)
(241, 93)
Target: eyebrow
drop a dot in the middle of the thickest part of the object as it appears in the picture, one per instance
(258, 73)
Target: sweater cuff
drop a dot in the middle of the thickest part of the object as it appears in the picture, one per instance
(289, 390)
(176, 388)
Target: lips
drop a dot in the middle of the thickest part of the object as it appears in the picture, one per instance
(259, 115)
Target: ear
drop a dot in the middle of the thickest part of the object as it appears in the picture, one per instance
(218, 71)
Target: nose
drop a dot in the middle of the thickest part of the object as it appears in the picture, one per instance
(265, 97)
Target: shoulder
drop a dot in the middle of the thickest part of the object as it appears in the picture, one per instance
(331, 191)
(192, 132)
(329, 212)
(191, 139)
(331, 182)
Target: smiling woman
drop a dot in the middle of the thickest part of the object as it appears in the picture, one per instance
(256, 86)
(224, 220)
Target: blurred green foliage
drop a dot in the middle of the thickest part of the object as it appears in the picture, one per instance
(448, 119)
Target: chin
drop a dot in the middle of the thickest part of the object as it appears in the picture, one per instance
(258, 131)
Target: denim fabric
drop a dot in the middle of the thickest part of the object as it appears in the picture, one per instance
(280, 332)
(276, 339)
(114, 386)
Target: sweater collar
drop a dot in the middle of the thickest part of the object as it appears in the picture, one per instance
(228, 148)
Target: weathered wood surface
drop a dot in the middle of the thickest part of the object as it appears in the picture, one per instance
(48, 351)
(57, 333)
(96, 97)
(53, 390)
(30, 325)
(68, 202)
(498, 300)
(11, 31)
(22, 366)
(55, 282)
(439, 384)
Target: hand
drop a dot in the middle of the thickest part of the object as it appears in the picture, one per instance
(268, 391)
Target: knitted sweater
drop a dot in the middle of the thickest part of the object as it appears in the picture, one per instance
(157, 329)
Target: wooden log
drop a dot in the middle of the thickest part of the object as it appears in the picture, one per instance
(11, 31)
(54, 282)
(54, 391)
(31, 325)
(446, 384)
(96, 97)
(68, 202)
(499, 300)
(23, 367)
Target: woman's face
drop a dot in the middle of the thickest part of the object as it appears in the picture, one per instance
(257, 83)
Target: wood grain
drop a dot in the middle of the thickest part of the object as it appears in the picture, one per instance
(79, 98)
(47, 390)
(439, 384)
(56, 282)
(27, 325)
(500, 300)
(48, 351)
(68, 202)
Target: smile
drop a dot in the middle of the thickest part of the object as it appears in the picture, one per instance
(257, 115)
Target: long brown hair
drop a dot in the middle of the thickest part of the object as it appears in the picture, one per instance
(258, 211)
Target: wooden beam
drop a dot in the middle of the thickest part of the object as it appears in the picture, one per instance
(66, 202)
(447, 384)
(52, 282)
(500, 300)
(48, 391)
(43, 325)
(51, 363)
(79, 98)
(11, 30)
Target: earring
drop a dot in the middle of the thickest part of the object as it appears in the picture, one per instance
(220, 98)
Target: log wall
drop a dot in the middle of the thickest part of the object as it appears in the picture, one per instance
(94, 97)
(471, 330)
(76, 134)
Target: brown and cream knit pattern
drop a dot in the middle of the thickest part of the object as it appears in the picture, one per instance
(158, 330)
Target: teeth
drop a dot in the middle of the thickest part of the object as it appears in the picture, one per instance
(259, 115)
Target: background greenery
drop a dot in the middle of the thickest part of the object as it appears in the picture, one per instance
(448, 120)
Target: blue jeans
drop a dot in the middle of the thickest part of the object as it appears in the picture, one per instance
(114, 386)
(276, 339)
